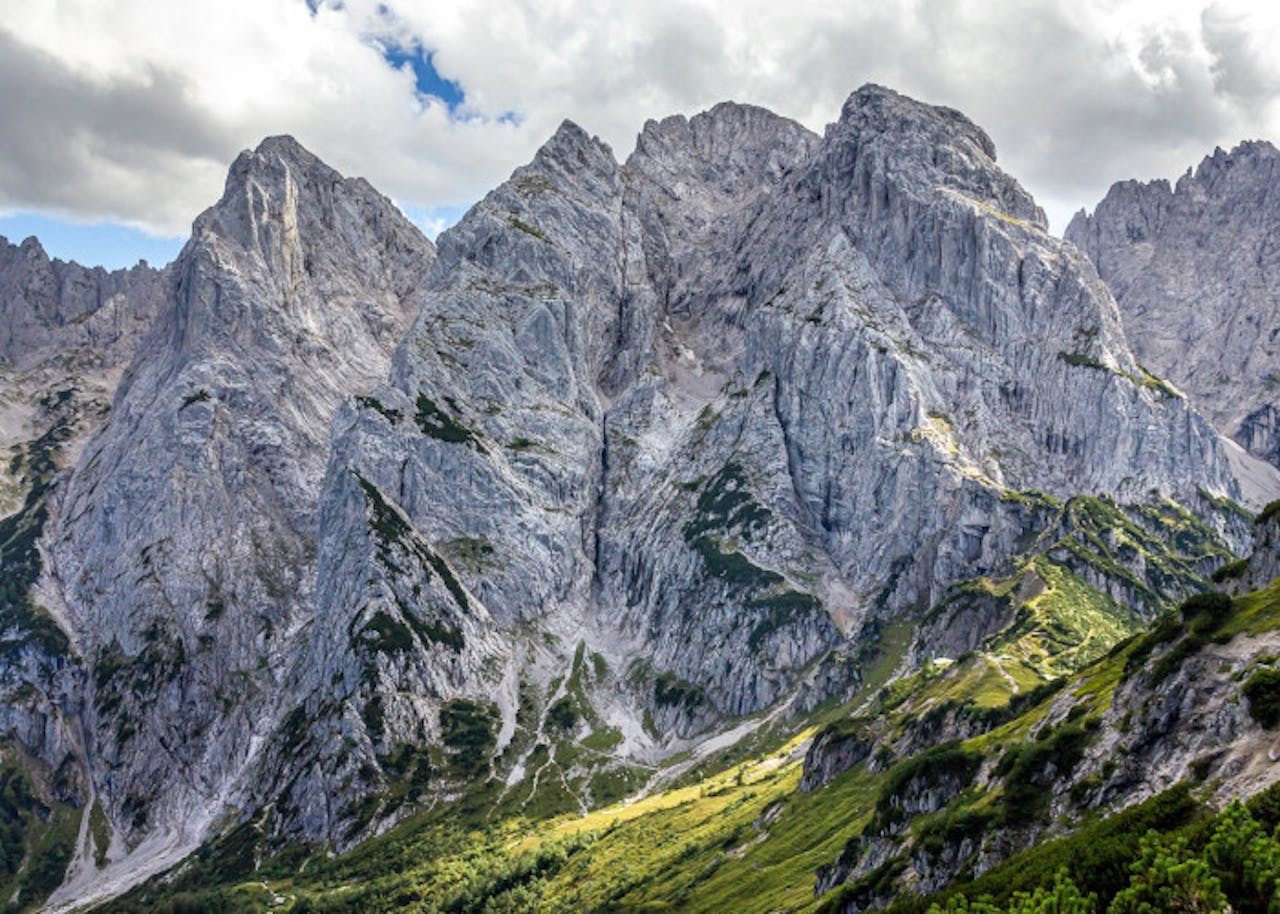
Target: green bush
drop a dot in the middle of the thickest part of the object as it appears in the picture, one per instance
(1154, 858)
(1271, 510)
(1263, 691)
(1206, 610)
(1167, 876)
(1230, 571)
(469, 729)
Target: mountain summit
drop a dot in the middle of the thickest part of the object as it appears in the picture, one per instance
(183, 551)
(1194, 268)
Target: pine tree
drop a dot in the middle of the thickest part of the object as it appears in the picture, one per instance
(1169, 879)
(1246, 861)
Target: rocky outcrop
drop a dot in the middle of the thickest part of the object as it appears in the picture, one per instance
(1194, 268)
(184, 546)
(1261, 566)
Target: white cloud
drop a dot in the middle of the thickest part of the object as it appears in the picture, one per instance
(131, 110)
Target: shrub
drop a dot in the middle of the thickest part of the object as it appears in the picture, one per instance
(1271, 510)
(1206, 610)
(1263, 691)
(1230, 571)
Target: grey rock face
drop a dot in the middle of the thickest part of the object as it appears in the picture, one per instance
(1262, 565)
(88, 317)
(66, 332)
(185, 542)
(1195, 269)
(709, 411)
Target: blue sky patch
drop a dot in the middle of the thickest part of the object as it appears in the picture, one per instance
(434, 219)
(427, 79)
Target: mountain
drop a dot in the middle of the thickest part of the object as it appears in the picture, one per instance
(183, 545)
(52, 309)
(671, 438)
(66, 334)
(650, 462)
(1194, 270)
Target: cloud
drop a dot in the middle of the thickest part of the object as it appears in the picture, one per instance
(1245, 67)
(75, 145)
(127, 110)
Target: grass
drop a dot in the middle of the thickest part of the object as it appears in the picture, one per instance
(101, 832)
(1256, 612)
(1079, 360)
(691, 841)
(527, 229)
(1066, 624)
(439, 424)
(37, 835)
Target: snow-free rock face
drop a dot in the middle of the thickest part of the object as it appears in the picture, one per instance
(184, 545)
(708, 412)
(1262, 566)
(1195, 269)
(87, 316)
(66, 333)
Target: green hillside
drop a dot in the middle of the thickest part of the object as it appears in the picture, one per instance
(746, 838)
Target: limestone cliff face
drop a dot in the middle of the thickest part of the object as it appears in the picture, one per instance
(66, 333)
(707, 412)
(52, 309)
(1195, 268)
(185, 541)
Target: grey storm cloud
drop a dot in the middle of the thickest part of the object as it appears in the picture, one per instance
(1075, 94)
(74, 144)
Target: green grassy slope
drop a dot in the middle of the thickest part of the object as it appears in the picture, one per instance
(745, 838)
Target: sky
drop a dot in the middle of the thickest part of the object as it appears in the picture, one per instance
(121, 117)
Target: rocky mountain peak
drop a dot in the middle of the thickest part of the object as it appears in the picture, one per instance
(1194, 270)
(31, 248)
(732, 149)
(186, 540)
(877, 109)
(53, 309)
(574, 152)
(1249, 154)
(271, 160)
(927, 147)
